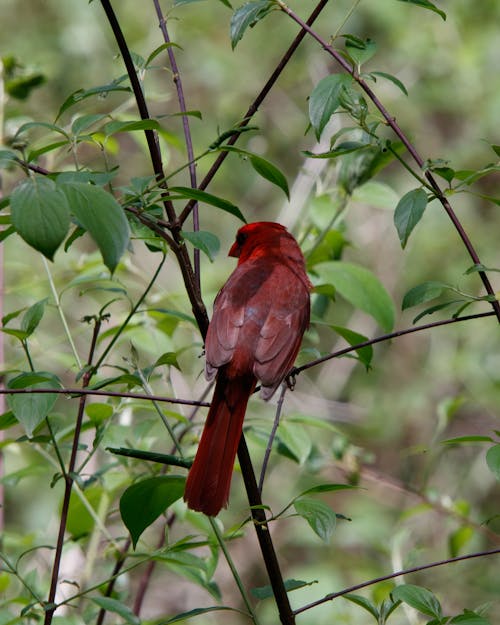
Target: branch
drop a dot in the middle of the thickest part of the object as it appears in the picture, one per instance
(185, 126)
(407, 143)
(386, 337)
(68, 484)
(81, 392)
(383, 578)
(151, 135)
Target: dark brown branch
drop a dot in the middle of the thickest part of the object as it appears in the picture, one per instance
(68, 483)
(151, 135)
(264, 536)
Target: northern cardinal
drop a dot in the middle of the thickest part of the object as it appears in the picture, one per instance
(259, 317)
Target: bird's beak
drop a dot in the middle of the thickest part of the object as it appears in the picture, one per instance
(235, 250)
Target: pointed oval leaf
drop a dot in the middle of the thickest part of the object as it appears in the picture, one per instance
(117, 607)
(361, 288)
(426, 5)
(102, 216)
(247, 16)
(408, 213)
(423, 293)
(208, 198)
(143, 502)
(320, 517)
(270, 172)
(40, 214)
(30, 409)
(204, 241)
(419, 598)
(325, 100)
(493, 460)
(33, 316)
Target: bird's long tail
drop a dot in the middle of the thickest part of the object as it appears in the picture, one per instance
(209, 479)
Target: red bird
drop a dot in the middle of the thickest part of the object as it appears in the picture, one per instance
(259, 317)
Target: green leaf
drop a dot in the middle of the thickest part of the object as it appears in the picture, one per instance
(365, 354)
(493, 460)
(426, 5)
(101, 215)
(169, 359)
(80, 521)
(468, 439)
(117, 607)
(325, 100)
(247, 16)
(295, 439)
(346, 147)
(361, 288)
(365, 603)
(419, 598)
(459, 538)
(377, 194)
(31, 409)
(392, 79)
(143, 502)
(262, 166)
(32, 317)
(98, 412)
(469, 618)
(423, 293)
(82, 94)
(360, 50)
(85, 121)
(207, 242)
(409, 212)
(184, 616)
(144, 124)
(270, 172)
(266, 592)
(320, 517)
(7, 157)
(208, 198)
(326, 488)
(40, 214)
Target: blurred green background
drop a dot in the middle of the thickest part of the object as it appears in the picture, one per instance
(384, 428)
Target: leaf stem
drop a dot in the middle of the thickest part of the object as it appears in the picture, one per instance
(234, 571)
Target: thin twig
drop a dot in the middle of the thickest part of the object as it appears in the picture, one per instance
(346, 66)
(79, 392)
(387, 337)
(68, 484)
(185, 126)
(272, 436)
(384, 578)
(151, 135)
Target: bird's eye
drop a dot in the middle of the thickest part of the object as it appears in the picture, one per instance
(241, 237)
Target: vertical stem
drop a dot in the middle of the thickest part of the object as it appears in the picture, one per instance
(264, 536)
(186, 128)
(68, 484)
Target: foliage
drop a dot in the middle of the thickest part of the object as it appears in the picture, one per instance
(390, 468)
